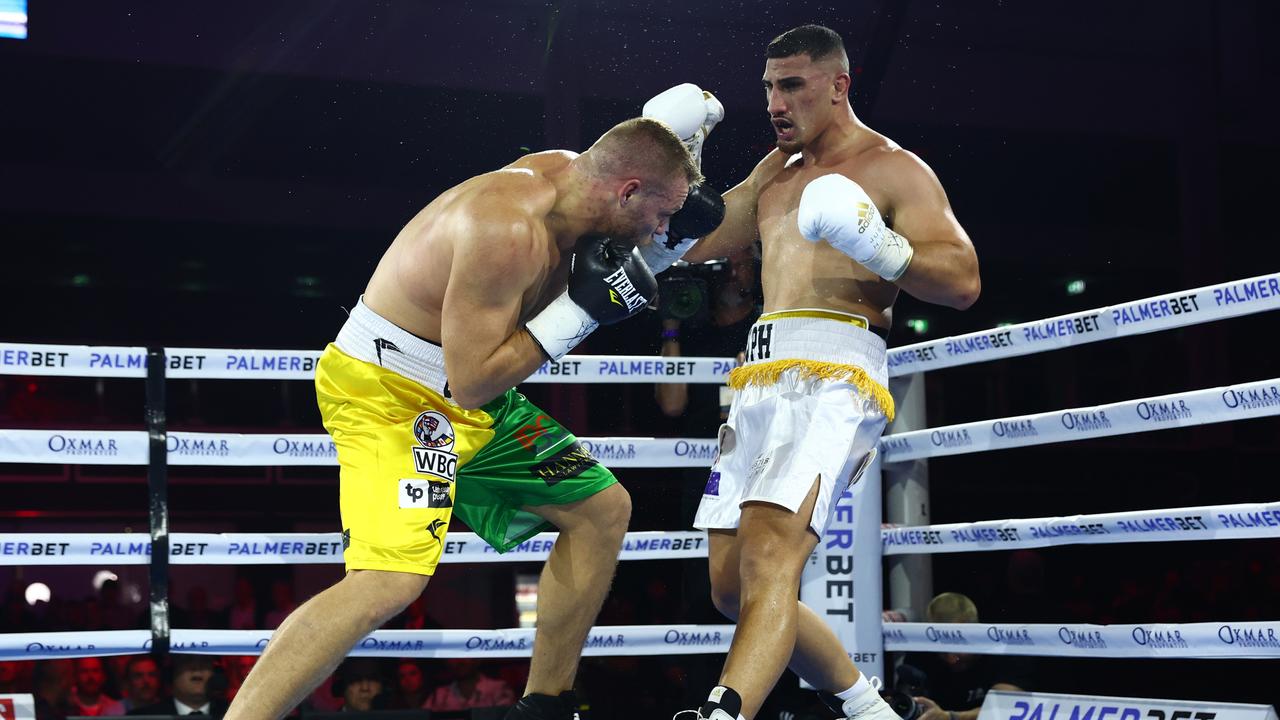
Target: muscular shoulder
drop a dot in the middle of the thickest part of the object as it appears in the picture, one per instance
(767, 169)
(512, 194)
(500, 217)
(892, 165)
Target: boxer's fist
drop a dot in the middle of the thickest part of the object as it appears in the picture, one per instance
(690, 111)
(609, 280)
(837, 209)
(703, 211)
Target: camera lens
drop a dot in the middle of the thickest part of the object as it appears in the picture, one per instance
(681, 298)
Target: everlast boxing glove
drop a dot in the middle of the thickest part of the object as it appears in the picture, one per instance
(608, 282)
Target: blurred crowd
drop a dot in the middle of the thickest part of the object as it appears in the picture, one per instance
(205, 685)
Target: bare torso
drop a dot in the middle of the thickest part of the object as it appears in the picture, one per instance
(408, 286)
(797, 273)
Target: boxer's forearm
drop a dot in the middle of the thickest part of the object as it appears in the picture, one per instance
(943, 273)
(472, 384)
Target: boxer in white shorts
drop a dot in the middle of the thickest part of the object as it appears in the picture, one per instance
(811, 402)
(846, 218)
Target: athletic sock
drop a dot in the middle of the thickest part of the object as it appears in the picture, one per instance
(858, 688)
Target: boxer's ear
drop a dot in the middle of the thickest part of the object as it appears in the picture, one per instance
(627, 191)
(841, 85)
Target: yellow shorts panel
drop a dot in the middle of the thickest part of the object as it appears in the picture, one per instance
(400, 446)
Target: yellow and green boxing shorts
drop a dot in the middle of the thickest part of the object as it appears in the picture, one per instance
(409, 457)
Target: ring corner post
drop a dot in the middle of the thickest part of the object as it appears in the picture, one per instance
(906, 494)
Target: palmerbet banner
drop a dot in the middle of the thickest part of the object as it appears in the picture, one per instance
(1000, 705)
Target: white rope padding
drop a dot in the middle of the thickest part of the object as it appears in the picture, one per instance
(1206, 522)
(224, 364)
(1235, 640)
(1137, 317)
(129, 447)
(515, 642)
(1162, 312)
(1198, 407)
(301, 548)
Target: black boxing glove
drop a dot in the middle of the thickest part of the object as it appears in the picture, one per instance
(703, 211)
(608, 282)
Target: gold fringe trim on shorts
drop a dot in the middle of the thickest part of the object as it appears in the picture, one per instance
(767, 373)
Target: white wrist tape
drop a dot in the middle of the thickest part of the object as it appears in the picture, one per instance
(658, 256)
(892, 257)
(560, 326)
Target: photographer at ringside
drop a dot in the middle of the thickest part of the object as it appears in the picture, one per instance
(706, 311)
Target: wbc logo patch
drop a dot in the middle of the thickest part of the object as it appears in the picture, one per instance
(434, 453)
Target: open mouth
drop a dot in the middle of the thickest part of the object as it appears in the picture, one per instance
(784, 128)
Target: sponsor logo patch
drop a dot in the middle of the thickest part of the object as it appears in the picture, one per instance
(415, 494)
(433, 455)
(570, 462)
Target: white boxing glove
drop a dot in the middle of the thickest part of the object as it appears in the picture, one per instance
(690, 111)
(837, 209)
(662, 252)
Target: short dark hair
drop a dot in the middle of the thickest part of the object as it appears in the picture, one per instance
(816, 41)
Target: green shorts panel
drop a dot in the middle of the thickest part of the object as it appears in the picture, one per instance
(532, 460)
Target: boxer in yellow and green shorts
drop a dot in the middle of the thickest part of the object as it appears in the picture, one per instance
(491, 279)
(411, 458)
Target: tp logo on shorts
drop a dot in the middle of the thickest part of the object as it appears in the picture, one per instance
(416, 494)
(435, 436)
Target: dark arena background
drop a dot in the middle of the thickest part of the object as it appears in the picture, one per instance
(226, 175)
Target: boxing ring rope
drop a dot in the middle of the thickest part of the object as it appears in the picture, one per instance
(1153, 314)
(1205, 522)
(1204, 640)
(1198, 407)
(1230, 403)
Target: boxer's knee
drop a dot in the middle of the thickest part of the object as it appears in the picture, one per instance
(725, 592)
(765, 561)
(722, 570)
(600, 519)
(618, 511)
(608, 516)
(725, 600)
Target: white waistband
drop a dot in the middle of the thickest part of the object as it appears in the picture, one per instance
(797, 336)
(368, 336)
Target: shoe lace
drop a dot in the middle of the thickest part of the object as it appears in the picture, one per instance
(687, 715)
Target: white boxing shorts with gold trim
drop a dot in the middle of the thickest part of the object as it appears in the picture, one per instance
(811, 403)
